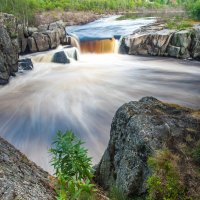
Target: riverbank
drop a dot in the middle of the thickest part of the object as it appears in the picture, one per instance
(83, 17)
(158, 40)
(69, 17)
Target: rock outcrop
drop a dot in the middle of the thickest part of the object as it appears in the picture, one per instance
(8, 47)
(42, 38)
(139, 129)
(21, 178)
(163, 42)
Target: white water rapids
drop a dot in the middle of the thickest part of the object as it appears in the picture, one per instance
(83, 96)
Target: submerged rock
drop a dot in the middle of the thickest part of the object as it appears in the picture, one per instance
(65, 56)
(61, 57)
(25, 64)
(20, 178)
(138, 129)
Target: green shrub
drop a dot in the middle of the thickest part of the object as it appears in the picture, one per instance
(23, 9)
(193, 7)
(72, 167)
(178, 24)
(164, 183)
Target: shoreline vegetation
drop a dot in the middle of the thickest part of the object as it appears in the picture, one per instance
(36, 11)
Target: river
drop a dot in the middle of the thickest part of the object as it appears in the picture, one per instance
(83, 96)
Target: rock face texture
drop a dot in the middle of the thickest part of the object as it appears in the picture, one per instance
(138, 129)
(21, 178)
(196, 43)
(8, 47)
(163, 42)
(45, 37)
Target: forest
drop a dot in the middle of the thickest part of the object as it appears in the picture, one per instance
(29, 7)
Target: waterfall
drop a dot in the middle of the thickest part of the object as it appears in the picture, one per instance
(99, 46)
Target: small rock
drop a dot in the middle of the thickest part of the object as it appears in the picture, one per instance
(61, 57)
(25, 64)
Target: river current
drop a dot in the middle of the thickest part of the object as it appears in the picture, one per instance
(83, 96)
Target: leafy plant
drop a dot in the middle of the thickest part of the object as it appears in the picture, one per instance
(164, 183)
(193, 7)
(72, 167)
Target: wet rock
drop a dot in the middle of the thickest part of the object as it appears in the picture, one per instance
(42, 38)
(25, 64)
(42, 41)
(54, 38)
(32, 45)
(61, 57)
(138, 129)
(181, 40)
(150, 43)
(21, 178)
(72, 52)
(174, 51)
(66, 55)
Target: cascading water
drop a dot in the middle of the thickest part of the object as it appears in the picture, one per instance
(102, 35)
(83, 96)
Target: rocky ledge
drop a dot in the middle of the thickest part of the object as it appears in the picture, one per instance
(21, 178)
(8, 47)
(18, 39)
(138, 129)
(41, 38)
(156, 40)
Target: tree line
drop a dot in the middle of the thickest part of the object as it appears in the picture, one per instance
(25, 9)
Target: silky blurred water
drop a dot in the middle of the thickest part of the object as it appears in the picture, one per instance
(108, 27)
(83, 96)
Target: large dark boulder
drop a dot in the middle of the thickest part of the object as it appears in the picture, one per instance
(138, 129)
